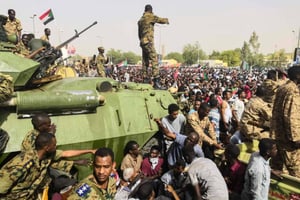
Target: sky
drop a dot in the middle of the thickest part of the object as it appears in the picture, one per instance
(215, 24)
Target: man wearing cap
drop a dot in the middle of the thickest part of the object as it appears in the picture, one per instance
(101, 61)
(100, 185)
(146, 37)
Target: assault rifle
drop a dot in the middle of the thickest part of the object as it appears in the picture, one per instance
(47, 56)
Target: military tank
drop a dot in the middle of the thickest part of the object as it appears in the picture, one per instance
(89, 112)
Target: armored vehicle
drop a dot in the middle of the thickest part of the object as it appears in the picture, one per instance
(89, 112)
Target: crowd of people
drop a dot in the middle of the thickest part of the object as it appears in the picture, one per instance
(216, 109)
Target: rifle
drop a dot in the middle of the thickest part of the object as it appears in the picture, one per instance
(47, 57)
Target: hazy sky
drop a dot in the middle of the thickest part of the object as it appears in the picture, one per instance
(215, 24)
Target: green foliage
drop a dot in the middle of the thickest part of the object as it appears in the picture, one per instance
(176, 56)
(277, 59)
(231, 57)
(118, 56)
(131, 57)
(192, 54)
(250, 51)
(215, 55)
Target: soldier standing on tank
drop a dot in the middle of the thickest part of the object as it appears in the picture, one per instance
(13, 25)
(101, 61)
(146, 37)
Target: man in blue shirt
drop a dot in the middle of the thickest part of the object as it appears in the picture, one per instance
(258, 172)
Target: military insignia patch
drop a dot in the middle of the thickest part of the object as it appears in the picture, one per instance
(83, 190)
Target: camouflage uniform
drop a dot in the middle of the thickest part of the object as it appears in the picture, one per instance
(255, 122)
(286, 125)
(89, 189)
(28, 144)
(203, 127)
(24, 176)
(22, 49)
(146, 36)
(270, 89)
(13, 27)
(100, 60)
(6, 87)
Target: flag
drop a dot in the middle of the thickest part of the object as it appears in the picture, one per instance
(123, 63)
(47, 17)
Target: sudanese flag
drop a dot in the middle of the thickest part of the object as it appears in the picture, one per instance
(47, 17)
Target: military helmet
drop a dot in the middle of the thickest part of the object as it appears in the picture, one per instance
(101, 49)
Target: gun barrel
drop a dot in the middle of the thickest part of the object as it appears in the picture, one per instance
(75, 36)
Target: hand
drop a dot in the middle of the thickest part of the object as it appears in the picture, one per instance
(83, 162)
(169, 188)
(277, 173)
(93, 151)
(52, 129)
(218, 146)
(158, 121)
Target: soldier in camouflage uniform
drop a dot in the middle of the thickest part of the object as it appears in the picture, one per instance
(6, 87)
(42, 123)
(255, 121)
(13, 25)
(199, 122)
(3, 35)
(22, 47)
(286, 121)
(100, 185)
(23, 176)
(146, 37)
(101, 61)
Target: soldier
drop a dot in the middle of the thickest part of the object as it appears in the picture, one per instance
(199, 122)
(286, 121)
(42, 123)
(22, 47)
(13, 26)
(6, 87)
(255, 122)
(100, 185)
(46, 35)
(146, 37)
(23, 176)
(3, 35)
(101, 61)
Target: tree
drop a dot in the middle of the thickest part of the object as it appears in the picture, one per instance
(176, 56)
(255, 58)
(277, 59)
(245, 52)
(193, 54)
(131, 57)
(215, 55)
(118, 56)
(232, 57)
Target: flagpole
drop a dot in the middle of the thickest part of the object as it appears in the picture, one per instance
(33, 23)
